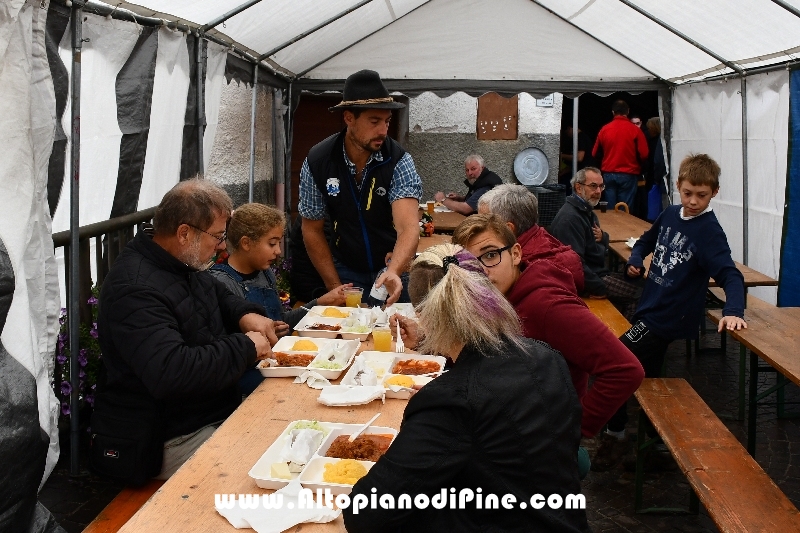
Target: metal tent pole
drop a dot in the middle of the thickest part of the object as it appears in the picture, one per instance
(201, 114)
(745, 195)
(575, 135)
(76, 20)
(253, 136)
(235, 11)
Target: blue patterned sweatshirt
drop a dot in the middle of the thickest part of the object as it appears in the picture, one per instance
(686, 253)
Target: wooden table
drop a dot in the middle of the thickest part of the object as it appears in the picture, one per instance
(186, 501)
(445, 222)
(772, 334)
(752, 278)
(433, 240)
(621, 226)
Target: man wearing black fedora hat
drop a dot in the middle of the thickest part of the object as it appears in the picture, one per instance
(369, 187)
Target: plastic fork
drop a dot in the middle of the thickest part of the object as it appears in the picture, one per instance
(399, 346)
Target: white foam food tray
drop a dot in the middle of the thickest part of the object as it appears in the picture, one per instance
(311, 475)
(262, 470)
(323, 353)
(383, 363)
(315, 317)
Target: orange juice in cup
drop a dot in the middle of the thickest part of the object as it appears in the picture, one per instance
(431, 206)
(352, 297)
(382, 338)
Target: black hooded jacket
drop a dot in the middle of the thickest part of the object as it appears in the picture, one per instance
(170, 336)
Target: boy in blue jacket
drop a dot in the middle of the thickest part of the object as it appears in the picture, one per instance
(689, 247)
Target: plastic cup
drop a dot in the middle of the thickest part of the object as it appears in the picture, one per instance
(603, 206)
(352, 297)
(382, 338)
(431, 206)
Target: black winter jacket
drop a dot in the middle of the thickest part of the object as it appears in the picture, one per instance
(170, 335)
(507, 423)
(572, 225)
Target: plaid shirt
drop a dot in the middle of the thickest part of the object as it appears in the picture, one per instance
(406, 183)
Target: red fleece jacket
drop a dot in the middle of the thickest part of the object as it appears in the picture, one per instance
(537, 243)
(623, 145)
(545, 299)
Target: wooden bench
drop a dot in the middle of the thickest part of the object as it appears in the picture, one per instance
(609, 315)
(122, 508)
(736, 492)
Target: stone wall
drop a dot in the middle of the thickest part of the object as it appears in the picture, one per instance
(230, 156)
(442, 133)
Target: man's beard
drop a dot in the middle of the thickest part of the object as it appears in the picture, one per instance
(192, 257)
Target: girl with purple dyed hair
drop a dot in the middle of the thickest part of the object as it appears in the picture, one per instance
(503, 424)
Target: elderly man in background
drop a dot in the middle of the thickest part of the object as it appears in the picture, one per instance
(519, 209)
(367, 184)
(480, 180)
(174, 340)
(577, 225)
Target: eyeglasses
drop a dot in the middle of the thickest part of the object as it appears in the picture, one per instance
(220, 239)
(595, 186)
(493, 257)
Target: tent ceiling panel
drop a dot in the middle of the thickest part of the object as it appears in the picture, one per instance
(614, 23)
(343, 33)
(510, 40)
(737, 30)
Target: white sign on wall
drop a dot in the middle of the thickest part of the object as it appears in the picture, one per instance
(547, 101)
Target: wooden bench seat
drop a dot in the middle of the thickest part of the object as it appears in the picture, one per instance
(122, 508)
(603, 309)
(736, 492)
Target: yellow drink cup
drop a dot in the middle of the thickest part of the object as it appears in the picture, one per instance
(352, 297)
(382, 338)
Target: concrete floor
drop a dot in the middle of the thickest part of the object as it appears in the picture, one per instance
(609, 495)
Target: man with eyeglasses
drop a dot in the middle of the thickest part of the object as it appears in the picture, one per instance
(174, 340)
(621, 147)
(577, 225)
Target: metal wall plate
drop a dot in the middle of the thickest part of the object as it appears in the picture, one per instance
(531, 166)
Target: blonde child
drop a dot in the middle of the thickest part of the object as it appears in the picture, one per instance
(254, 244)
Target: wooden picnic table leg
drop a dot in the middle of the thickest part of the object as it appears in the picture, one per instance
(753, 411)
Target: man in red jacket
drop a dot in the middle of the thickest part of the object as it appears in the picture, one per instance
(620, 146)
(544, 296)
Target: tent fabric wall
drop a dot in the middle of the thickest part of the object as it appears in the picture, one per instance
(28, 291)
(789, 289)
(215, 76)
(707, 119)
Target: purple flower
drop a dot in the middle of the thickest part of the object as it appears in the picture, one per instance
(92, 301)
(82, 360)
(81, 374)
(63, 337)
(61, 359)
(66, 388)
(93, 331)
(65, 408)
(90, 399)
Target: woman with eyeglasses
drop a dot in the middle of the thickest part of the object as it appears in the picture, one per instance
(483, 446)
(545, 298)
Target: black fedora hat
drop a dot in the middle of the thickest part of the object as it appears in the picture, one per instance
(365, 90)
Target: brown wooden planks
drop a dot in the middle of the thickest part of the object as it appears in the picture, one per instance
(736, 492)
(121, 508)
(608, 315)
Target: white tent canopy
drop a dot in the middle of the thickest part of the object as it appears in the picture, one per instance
(504, 41)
